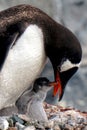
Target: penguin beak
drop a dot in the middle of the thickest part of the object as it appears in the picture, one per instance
(58, 88)
(57, 85)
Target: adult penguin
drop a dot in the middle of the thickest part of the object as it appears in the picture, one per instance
(28, 37)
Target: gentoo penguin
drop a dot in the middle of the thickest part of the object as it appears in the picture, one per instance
(30, 103)
(28, 37)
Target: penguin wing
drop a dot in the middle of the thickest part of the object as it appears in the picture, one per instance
(6, 43)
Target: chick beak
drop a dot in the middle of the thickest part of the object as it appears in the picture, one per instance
(57, 85)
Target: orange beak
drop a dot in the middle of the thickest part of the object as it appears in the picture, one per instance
(57, 85)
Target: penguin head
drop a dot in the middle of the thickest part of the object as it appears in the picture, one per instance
(42, 84)
(64, 52)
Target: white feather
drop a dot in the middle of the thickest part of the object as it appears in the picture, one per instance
(24, 63)
(68, 65)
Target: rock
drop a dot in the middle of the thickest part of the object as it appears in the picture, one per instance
(29, 128)
(3, 124)
(15, 119)
(85, 128)
(12, 128)
(56, 127)
(19, 126)
(49, 124)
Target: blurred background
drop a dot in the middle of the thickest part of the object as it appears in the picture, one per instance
(73, 15)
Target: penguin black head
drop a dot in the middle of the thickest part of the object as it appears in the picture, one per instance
(43, 84)
(64, 52)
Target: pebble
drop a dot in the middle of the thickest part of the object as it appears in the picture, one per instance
(85, 128)
(49, 124)
(12, 128)
(3, 124)
(19, 126)
(68, 127)
(29, 128)
(80, 120)
(56, 127)
(15, 119)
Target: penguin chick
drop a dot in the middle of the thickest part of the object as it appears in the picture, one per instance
(31, 102)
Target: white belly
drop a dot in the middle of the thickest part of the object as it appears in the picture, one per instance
(24, 63)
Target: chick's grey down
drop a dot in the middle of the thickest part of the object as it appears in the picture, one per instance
(30, 103)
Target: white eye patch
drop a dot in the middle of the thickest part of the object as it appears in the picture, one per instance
(68, 65)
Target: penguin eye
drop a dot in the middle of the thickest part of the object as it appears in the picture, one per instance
(63, 60)
(61, 63)
(39, 86)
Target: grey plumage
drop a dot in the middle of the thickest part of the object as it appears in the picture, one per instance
(31, 102)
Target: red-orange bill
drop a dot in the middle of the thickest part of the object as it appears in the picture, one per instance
(57, 86)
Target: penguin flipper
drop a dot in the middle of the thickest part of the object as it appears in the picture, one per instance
(6, 44)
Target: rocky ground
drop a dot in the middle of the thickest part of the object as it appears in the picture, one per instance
(73, 15)
(60, 118)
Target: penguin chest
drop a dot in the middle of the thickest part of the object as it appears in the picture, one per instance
(23, 64)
